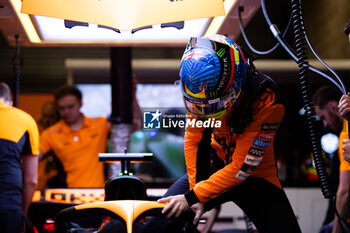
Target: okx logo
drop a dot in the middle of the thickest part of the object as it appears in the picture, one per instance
(151, 119)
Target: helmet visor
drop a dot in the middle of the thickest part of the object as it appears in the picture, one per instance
(205, 108)
(221, 49)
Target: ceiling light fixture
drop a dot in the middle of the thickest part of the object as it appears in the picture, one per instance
(48, 30)
(53, 30)
(26, 22)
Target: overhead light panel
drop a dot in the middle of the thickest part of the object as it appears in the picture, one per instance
(25, 21)
(125, 16)
(53, 30)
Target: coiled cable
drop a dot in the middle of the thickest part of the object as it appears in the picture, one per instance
(275, 31)
(300, 45)
(300, 57)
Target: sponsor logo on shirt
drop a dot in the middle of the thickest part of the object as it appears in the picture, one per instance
(256, 152)
(269, 127)
(261, 143)
(264, 135)
(242, 175)
(247, 168)
(250, 160)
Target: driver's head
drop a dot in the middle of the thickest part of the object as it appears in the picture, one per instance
(213, 73)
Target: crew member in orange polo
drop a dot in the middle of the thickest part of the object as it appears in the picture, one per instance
(76, 140)
(19, 149)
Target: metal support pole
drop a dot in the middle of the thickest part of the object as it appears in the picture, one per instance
(16, 73)
(122, 116)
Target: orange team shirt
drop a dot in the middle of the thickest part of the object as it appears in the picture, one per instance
(252, 151)
(15, 124)
(344, 165)
(78, 150)
(19, 136)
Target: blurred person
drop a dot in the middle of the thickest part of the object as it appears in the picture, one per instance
(49, 115)
(329, 108)
(346, 148)
(50, 170)
(235, 161)
(344, 109)
(344, 157)
(76, 140)
(344, 106)
(326, 100)
(19, 150)
(347, 29)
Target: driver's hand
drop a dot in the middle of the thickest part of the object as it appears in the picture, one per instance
(176, 205)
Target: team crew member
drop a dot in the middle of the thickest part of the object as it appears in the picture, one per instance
(344, 109)
(76, 140)
(236, 161)
(50, 170)
(19, 140)
(325, 101)
(344, 154)
(344, 158)
(344, 178)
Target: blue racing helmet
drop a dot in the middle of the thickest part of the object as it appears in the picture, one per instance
(213, 73)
